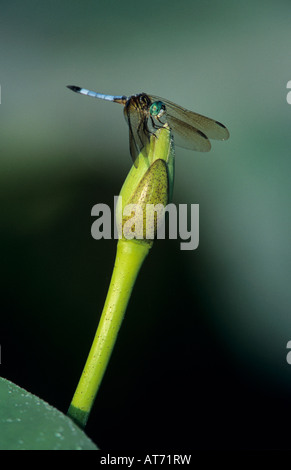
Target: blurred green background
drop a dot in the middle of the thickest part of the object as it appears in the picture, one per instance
(200, 361)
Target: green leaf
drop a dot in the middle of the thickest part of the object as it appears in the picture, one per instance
(29, 423)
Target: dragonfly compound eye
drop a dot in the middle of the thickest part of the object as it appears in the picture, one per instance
(157, 108)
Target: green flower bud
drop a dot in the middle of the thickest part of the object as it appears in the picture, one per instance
(146, 191)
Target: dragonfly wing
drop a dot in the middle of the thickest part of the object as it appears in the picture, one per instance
(133, 141)
(211, 128)
(187, 136)
(138, 138)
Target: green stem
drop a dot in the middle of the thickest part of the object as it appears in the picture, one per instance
(129, 259)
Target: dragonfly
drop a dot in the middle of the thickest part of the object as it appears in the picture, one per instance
(146, 113)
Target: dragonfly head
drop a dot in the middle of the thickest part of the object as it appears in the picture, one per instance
(157, 109)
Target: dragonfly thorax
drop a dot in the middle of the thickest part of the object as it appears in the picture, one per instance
(143, 100)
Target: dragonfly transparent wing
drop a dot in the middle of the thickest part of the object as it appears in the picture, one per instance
(182, 122)
(187, 136)
(138, 134)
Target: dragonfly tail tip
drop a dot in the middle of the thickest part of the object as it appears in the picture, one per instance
(74, 88)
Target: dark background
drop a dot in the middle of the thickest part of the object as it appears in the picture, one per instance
(200, 361)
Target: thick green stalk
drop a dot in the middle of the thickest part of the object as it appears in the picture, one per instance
(129, 259)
